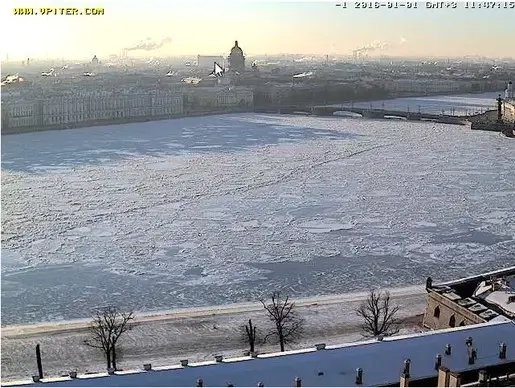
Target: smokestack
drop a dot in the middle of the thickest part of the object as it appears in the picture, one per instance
(407, 364)
(502, 351)
(404, 380)
(359, 376)
(472, 356)
(438, 361)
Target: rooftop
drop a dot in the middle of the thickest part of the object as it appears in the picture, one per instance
(490, 295)
(381, 361)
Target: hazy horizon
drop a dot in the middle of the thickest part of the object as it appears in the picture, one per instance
(262, 28)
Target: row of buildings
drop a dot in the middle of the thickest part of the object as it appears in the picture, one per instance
(70, 110)
(439, 85)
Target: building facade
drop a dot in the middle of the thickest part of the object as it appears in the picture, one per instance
(206, 61)
(208, 99)
(479, 299)
(70, 110)
(509, 111)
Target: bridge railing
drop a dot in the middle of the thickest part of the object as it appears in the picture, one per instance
(444, 110)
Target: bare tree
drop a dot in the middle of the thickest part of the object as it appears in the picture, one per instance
(250, 336)
(106, 329)
(288, 326)
(379, 315)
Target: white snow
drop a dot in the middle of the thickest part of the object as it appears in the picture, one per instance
(381, 361)
(385, 202)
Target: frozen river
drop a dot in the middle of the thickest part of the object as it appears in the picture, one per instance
(214, 210)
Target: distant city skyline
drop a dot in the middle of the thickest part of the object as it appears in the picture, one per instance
(180, 28)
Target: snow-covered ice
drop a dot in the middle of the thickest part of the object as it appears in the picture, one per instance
(140, 215)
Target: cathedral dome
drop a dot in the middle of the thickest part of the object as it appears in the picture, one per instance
(236, 49)
(237, 59)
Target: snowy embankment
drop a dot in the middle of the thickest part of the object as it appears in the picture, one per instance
(195, 334)
(209, 211)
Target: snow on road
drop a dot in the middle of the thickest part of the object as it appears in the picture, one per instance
(194, 334)
(213, 210)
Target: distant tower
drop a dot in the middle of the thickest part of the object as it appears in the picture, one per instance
(499, 108)
(237, 59)
(28, 61)
(508, 93)
(94, 61)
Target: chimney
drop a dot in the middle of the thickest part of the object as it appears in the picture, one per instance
(200, 383)
(404, 382)
(443, 377)
(448, 349)
(298, 382)
(454, 379)
(438, 361)
(359, 376)
(407, 364)
(472, 355)
(468, 341)
(502, 351)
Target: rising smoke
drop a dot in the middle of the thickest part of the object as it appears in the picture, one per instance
(376, 46)
(149, 45)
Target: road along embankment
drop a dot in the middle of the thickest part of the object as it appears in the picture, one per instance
(196, 334)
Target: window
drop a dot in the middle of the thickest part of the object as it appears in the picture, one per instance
(437, 312)
(452, 321)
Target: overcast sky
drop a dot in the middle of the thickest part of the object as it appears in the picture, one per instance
(261, 27)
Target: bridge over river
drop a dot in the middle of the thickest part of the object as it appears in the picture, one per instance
(372, 113)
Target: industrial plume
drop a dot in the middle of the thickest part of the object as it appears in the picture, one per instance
(376, 46)
(149, 45)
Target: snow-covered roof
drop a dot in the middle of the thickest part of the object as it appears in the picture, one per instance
(381, 361)
(500, 292)
(508, 270)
